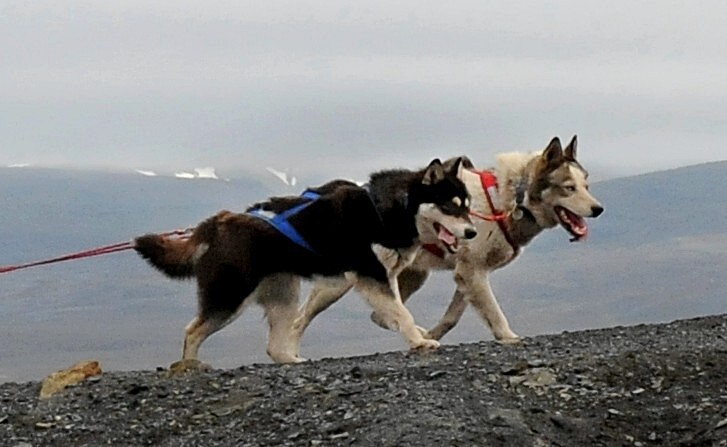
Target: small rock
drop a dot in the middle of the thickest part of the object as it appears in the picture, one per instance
(540, 378)
(234, 404)
(137, 389)
(59, 380)
(185, 367)
(356, 372)
(657, 382)
(225, 410)
(567, 423)
(515, 368)
(508, 418)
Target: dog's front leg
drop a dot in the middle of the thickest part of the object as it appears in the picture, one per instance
(393, 313)
(474, 284)
(409, 281)
(326, 291)
(395, 261)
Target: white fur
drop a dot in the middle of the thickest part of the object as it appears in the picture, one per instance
(474, 261)
(200, 251)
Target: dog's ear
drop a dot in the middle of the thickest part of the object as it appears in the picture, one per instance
(456, 164)
(571, 149)
(434, 173)
(553, 154)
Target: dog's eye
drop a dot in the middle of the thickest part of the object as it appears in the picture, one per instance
(457, 201)
(570, 188)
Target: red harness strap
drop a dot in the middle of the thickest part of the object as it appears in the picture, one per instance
(491, 188)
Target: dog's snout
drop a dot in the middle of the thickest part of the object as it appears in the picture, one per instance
(470, 233)
(596, 210)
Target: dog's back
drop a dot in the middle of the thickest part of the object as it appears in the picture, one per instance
(341, 225)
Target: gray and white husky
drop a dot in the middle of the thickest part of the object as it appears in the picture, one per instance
(523, 195)
(368, 235)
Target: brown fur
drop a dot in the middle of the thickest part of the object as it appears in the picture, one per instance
(237, 256)
(175, 256)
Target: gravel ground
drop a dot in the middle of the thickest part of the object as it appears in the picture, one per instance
(641, 386)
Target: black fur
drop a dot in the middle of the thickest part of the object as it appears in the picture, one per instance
(231, 253)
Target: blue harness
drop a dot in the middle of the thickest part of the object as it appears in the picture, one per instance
(281, 223)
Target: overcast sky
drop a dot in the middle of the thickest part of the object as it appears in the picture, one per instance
(342, 88)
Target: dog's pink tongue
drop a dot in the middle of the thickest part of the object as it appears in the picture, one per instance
(446, 236)
(582, 231)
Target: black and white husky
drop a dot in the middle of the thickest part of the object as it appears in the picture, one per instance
(368, 235)
(523, 195)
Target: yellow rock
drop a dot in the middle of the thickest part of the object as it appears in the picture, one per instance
(59, 380)
(185, 367)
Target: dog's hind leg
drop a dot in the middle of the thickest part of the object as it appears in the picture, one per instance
(278, 294)
(204, 325)
(222, 298)
(394, 315)
(474, 284)
(197, 331)
(450, 318)
(326, 291)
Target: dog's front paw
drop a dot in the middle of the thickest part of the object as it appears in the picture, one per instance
(436, 333)
(510, 339)
(285, 357)
(425, 344)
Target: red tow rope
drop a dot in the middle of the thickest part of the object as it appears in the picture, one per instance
(113, 248)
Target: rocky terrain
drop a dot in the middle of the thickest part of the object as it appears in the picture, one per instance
(641, 386)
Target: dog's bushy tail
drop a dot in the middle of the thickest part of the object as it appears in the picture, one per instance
(176, 257)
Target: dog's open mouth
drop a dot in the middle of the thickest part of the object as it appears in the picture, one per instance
(575, 224)
(446, 237)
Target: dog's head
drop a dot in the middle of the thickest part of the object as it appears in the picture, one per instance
(559, 191)
(443, 205)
